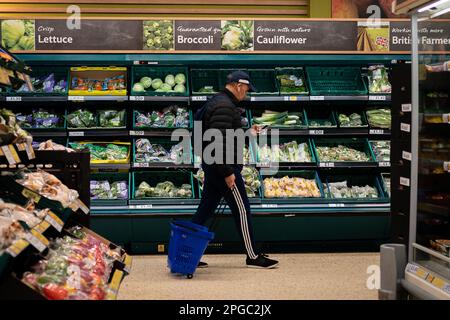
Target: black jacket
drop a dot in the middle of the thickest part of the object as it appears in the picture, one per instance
(222, 112)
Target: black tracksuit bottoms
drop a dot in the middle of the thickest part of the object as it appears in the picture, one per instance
(214, 188)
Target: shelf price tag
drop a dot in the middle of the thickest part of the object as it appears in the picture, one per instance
(55, 221)
(269, 205)
(137, 98)
(317, 98)
(31, 195)
(37, 240)
(203, 98)
(446, 118)
(316, 132)
(76, 133)
(82, 206)
(406, 155)
(42, 227)
(76, 98)
(404, 181)
(447, 166)
(127, 262)
(290, 98)
(141, 206)
(17, 247)
(405, 127)
(136, 133)
(406, 107)
(326, 164)
(336, 205)
(20, 146)
(264, 164)
(384, 164)
(30, 151)
(376, 131)
(140, 165)
(252, 98)
(377, 98)
(13, 99)
(10, 153)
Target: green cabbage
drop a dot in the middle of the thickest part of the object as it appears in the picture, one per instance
(170, 80)
(180, 78)
(146, 82)
(138, 87)
(156, 83)
(12, 31)
(165, 87)
(180, 88)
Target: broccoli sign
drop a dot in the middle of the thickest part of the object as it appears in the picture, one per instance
(197, 35)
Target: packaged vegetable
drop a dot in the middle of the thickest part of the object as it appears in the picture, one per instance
(341, 190)
(287, 187)
(379, 80)
(111, 118)
(166, 189)
(382, 150)
(340, 153)
(280, 119)
(173, 116)
(379, 118)
(81, 119)
(353, 120)
(286, 152)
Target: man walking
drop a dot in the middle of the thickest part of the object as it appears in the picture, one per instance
(224, 179)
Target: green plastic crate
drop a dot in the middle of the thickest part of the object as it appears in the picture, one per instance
(158, 72)
(306, 174)
(257, 112)
(264, 80)
(284, 139)
(61, 73)
(204, 77)
(111, 177)
(356, 180)
(320, 116)
(167, 144)
(149, 110)
(62, 125)
(354, 143)
(348, 111)
(295, 71)
(97, 119)
(177, 177)
(336, 81)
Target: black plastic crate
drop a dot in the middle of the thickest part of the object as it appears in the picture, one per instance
(201, 78)
(264, 80)
(177, 177)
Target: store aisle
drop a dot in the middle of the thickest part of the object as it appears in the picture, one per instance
(300, 276)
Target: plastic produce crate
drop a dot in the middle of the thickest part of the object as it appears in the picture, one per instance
(348, 111)
(78, 75)
(177, 177)
(96, 113)
(295, 71)
(336, 81)
(360, 180)
(104, 144)
(305, 174)
(159, 109)
(321, 118)
(264, 80)
(60, 73)
(201, 78)
(357, 144)
(111, 177)
(61, 126)
(167, 144)
(257, 112)
(385, 177)
(283, 140)
(161, 72)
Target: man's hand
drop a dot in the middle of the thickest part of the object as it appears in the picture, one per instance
(256, 129)
(230, 181)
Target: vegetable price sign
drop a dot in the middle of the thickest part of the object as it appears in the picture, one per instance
(197, 35)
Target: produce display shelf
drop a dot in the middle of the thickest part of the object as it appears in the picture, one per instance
(149, 203)
(110, 166)
(339, 98)
(116, 203)
(160, 98)
(97, 98)
(47, 133)
(319, 132)
(33, 98)
(160, 165)
(288, 165)
(98, 132)
(431, 208)
(151, 133)
(347, 164)
(278, 98)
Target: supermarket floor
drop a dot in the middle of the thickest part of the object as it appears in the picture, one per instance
(329, 276)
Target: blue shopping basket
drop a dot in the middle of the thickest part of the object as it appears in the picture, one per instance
(188, 242)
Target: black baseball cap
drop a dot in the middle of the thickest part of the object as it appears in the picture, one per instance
(240, 77)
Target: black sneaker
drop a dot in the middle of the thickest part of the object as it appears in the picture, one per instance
(202, 265)
(262, 262)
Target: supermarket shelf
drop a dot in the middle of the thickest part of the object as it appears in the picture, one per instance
(288, 165)
(97, 98)
(278, 98)
(338, 98)
(42, 133)
(158, 165)
(110, 166)
(33, 98)
(98, 133)
(348, 164)
(141, 204)
(160, 98)
(431, 208)
(416, 291)
(330, 132)
(152, 133)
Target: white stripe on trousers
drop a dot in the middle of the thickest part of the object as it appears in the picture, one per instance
(244, 224)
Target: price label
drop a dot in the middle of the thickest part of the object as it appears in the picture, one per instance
(141, 165)
(76, 98)
(137, 98)
(377, 98)
(376, 131)
(127, 261)
(447, 166)
(17, 247)
(136, 133)
(76, 133)
(42, 227)
(406, 155)
(270, 205)
(404, 181)
(406, 107)
(141, 206)
(20, 146)
(326, 164)
(292, 98)
(31, 195)
(10, 153)
(405, 127)
(316, 132)
(82, 206)
(336, 205)
(446, 118)
(264, 164)
(35, 241)
(317, 98)
(384, 164)
(252, 98)
(30, 151)
(201, 98)
(13, 99)
(55, 221)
